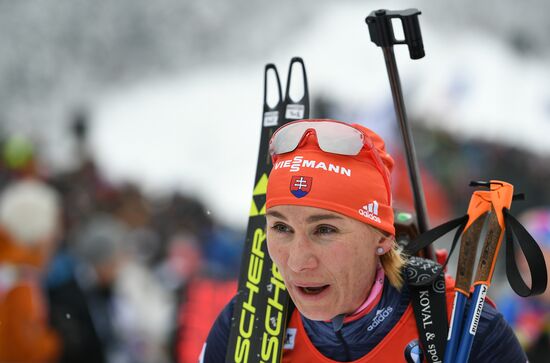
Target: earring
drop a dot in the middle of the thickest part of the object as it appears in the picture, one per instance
(380, 251)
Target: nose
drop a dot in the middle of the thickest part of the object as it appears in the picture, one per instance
(301, 255)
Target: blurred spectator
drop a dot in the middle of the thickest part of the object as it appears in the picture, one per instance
(444, 153)
(183, 261)
(204, 301)
(222, 252)
(530, 317)
(83, 306)
(17, 159)
(145, 315)
(29, 226)
(182, 214)
(85, 192)
(131, 207)
(201, 266)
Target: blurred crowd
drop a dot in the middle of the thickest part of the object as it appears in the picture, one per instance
(96, 272)
(93, 272)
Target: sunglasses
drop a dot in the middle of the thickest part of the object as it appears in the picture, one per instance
(333, 137)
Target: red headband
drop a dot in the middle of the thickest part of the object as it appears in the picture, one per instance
(350, 185)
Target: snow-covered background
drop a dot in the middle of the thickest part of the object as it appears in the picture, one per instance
(174, 88)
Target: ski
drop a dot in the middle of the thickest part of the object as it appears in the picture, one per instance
(258, 325)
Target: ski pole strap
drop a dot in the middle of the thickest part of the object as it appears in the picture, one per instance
(429, 305)
(430, 236)
(533, 255)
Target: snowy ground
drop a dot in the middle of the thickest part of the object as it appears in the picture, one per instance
(199, 132)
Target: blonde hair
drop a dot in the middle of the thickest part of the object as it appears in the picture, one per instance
(392, 263)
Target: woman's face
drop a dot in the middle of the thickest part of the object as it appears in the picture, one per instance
(327, 260)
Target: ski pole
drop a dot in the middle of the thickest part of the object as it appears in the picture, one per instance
(479, 207)
(381, 33)
(501, 198)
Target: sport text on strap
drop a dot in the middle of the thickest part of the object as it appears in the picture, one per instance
(429, 304)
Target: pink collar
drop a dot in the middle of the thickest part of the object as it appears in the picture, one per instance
(372, 299)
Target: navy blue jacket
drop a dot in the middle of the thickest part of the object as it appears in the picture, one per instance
(494, 341)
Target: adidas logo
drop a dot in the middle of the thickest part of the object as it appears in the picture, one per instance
(370, 211)
(380, 316)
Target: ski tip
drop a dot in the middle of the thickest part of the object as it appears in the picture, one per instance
(272, 86)
(305, 92)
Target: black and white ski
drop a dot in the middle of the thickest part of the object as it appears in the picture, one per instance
(258, 325)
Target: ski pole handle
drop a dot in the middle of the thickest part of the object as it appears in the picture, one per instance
(501, 197)
(479, 207)
(382, 34)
